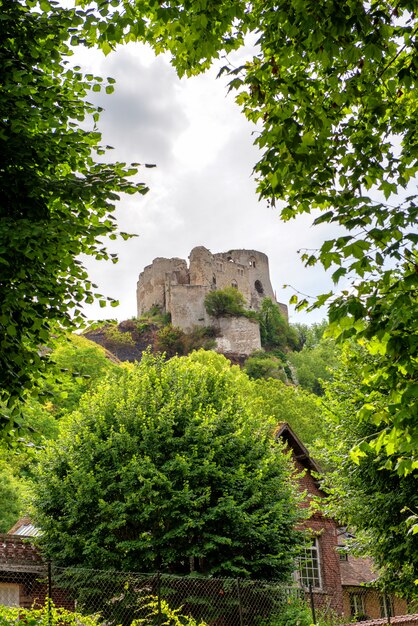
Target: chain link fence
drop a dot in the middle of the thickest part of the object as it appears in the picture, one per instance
(122, 597)
(118, 598)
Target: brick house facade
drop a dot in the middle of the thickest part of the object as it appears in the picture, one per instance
(320, 565)
(342, 578)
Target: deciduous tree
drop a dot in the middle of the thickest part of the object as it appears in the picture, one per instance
(56, 197)
(170, 467)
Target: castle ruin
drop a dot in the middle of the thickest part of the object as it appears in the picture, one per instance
(180, 289)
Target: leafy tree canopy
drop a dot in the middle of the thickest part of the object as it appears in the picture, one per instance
(367, 493)
(313, 365)
(332, 87)
(75, 366)
(171, 467)
(291, 404)
(78, 367)
(11, 495)
(309, 335)
(274, 330)
(57, 199)
(266, 365)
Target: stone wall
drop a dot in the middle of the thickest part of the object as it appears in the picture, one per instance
(153, 281)
(255, 279)
(238, 335)
(186, 305)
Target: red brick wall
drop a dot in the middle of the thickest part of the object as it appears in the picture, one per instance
(18, 550)
(330, 597)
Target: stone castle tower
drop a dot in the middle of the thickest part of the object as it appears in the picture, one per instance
(180, 289)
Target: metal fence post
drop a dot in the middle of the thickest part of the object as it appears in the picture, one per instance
(311, 596)
(241, 621)
(159, 597)
(49, 607)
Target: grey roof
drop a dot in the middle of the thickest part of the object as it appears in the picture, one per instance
(27, 530)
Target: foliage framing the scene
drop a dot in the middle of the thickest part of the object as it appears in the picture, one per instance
(365, 492)
(56, 198)
(171, 466)
(333, 88)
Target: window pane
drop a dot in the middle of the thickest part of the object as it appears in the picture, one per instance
(9, 595)
(309, 566)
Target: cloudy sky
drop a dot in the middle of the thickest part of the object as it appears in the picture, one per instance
(201, 192)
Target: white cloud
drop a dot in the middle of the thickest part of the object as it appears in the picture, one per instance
(201, 192)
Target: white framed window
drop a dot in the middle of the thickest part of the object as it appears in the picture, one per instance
(309, 569)
(9, 594)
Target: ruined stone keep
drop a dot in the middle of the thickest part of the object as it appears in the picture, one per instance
(180, 289)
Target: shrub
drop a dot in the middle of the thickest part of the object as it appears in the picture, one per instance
(200, 337)
(163, 614)
(116, 337)
(294, 613)
(224, 302)
(44, 616)
(171, 340)
(265, 365)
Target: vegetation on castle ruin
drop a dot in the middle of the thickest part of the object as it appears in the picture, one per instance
(225, 302)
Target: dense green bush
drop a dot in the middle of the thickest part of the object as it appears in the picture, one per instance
(171, 340)
(313, 366)
(294, 613)
(173, 462)
(265, 365)
(225, 302)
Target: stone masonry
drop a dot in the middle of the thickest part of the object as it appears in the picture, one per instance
(180, 289)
